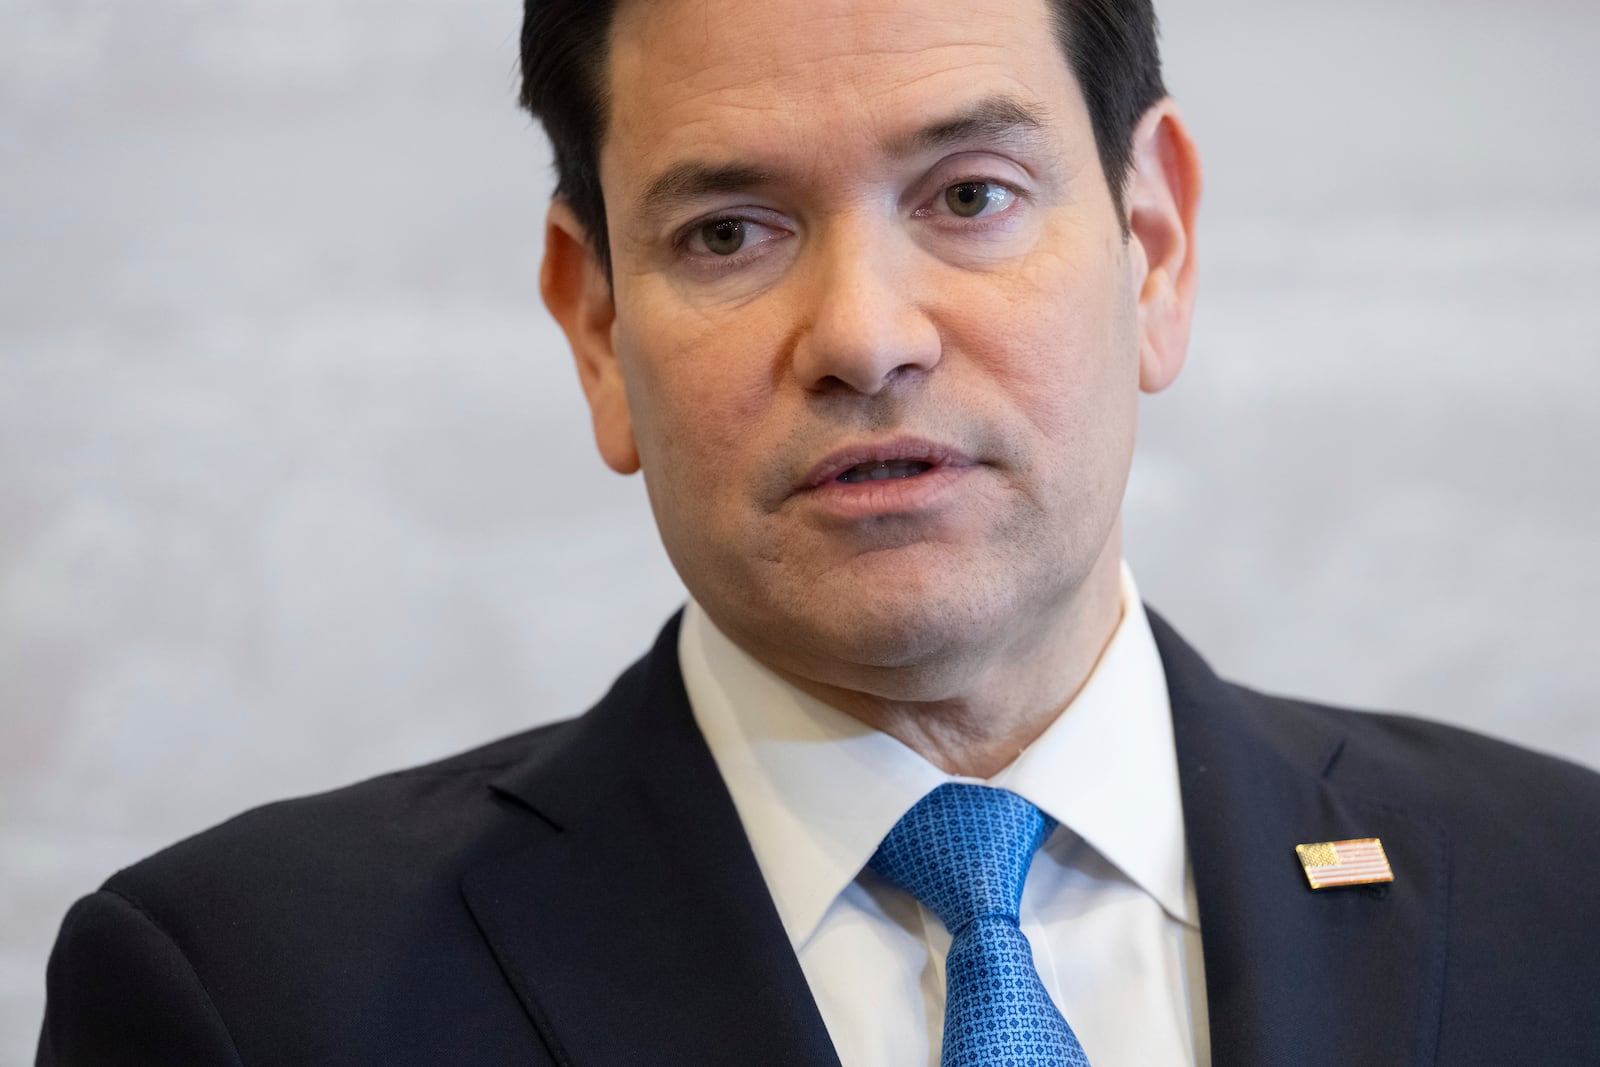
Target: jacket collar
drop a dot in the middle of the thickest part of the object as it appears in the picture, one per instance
(1313, 978)
(627, 910)
(630, 915)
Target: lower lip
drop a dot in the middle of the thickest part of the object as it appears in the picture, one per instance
(888, 496)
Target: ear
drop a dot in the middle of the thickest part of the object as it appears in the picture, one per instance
(1163, 196)
(578, 295)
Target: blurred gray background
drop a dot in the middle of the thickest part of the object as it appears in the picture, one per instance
(295, 481)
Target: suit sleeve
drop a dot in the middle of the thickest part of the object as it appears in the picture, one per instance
(120, 993)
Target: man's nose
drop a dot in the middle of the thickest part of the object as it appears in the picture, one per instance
(867, 325)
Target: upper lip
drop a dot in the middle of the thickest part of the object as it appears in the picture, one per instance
(900, 448)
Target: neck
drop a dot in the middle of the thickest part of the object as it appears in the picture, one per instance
(1009, 699)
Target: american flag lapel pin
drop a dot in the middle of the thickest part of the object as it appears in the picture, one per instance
(1334, 863)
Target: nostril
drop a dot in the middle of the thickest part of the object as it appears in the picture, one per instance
(866, 384)
(832, 383)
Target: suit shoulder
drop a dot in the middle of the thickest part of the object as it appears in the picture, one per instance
(417, 814)
(331, 914)
(1425, 763)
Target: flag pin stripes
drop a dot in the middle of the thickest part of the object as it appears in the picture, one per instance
(1334, 863)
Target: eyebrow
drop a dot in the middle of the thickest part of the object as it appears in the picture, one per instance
(693, 180)
(993, 118)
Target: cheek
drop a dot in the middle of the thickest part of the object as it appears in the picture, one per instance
(699, 387)
(1071, 365)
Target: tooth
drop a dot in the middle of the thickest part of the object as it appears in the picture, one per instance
(883, 470)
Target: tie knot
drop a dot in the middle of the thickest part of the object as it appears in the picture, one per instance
(964, 851)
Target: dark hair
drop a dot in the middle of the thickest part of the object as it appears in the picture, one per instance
(1109, 44)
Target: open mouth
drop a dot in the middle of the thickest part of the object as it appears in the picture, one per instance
(914, 461)
(883, 470)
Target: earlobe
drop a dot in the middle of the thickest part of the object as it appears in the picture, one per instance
(1163, 197)
(579, 297)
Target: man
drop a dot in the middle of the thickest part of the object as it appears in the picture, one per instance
(868, 293)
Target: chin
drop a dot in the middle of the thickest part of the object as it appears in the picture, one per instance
(917, 625)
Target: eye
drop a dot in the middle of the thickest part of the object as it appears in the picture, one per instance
(727, 237)
(972, 199)
(723, 237)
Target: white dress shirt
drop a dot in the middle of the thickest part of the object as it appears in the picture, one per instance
(1109, 901)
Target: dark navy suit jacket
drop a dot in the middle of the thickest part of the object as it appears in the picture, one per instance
(583, 894)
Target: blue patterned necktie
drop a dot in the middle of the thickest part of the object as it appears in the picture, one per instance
(964, 851)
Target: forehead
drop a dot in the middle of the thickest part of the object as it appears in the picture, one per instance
(705, 78)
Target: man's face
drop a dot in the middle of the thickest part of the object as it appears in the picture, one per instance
(876, 334)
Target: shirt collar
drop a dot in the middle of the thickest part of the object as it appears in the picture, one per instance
(817, 790)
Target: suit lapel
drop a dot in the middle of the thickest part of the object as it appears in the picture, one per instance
(1328, 977)
(627, 910)
(626, 906)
